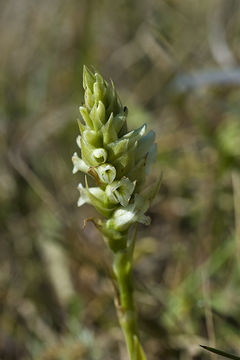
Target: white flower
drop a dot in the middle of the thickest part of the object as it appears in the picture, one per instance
(120, 191)
(106, 173)
(123, 218)
(84, 198)
(79, 164)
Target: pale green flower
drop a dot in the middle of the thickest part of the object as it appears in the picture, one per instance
(124, 217)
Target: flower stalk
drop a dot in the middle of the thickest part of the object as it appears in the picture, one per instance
(119, 161)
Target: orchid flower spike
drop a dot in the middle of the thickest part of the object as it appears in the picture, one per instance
(118, 159)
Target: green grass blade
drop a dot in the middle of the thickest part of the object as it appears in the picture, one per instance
(221, 353)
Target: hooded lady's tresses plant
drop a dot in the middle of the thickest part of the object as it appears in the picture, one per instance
(119, 161)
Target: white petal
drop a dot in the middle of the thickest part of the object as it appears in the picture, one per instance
(83, 195)
(78, 141)
(79, 164)
(84, 198)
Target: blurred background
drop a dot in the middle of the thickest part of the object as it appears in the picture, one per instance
(176, 66)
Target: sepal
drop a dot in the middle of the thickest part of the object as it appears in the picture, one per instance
(88, 78)
(144, 144)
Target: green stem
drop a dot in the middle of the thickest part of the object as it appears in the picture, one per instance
(122, 266)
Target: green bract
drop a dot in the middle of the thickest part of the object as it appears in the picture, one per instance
(116, 158)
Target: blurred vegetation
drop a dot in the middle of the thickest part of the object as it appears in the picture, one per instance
(176, 66)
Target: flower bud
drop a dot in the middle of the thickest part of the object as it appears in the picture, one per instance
(85, 115)
(99, 90)
(97, 123)
(88, 97)
(100, 112)
(88, 79)
(92, 137)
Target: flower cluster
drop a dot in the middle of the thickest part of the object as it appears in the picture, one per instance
(116, 158)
